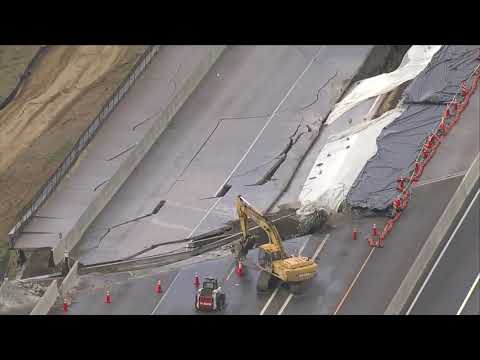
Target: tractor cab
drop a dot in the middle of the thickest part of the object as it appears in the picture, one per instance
(210, 284)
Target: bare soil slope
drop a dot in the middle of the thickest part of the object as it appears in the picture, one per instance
(14, 60)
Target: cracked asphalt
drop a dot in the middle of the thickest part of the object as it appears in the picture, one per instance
(266, 104)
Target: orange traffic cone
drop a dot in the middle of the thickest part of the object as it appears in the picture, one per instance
(401, 183)
(108, 297)
(374, 230)
(443, 127)
(158, 287)
(380, 242)
(464, 88)
(65, 305)
(196, 280)
(240, 269)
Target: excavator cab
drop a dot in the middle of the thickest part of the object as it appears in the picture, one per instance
(267, 254)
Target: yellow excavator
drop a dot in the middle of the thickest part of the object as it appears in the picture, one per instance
(273, 261)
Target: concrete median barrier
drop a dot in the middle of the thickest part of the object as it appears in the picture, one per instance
(417, 272)
(70, 279)
(136, 155)
(48, 299)
(3, 285)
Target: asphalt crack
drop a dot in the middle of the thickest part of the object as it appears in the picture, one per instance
(99, 185)
(162, 109)
(280, 159)
(211, 134)
(317, 97)
(110, 228)
(122, 152)
(293, 139)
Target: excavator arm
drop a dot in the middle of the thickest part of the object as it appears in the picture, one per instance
(246, 211)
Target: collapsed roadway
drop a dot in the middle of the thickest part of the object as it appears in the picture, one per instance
(265, 155)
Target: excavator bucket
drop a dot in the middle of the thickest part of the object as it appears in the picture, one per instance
(240, 248)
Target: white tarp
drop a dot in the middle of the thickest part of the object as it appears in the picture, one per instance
(337, 166)
(414, 61)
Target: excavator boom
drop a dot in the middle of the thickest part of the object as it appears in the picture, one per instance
(245, 211)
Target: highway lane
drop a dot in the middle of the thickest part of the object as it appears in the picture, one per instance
(338, 260)
(262, 88)
(381, 271)
(281, 296)
(133, 292)
(455, 271)
(242, 297)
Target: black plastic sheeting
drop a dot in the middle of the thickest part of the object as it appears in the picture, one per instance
(400, 143)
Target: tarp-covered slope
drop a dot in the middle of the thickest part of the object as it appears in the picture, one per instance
(339, 164)
(400, 142)
(414, 61)
(344, 156)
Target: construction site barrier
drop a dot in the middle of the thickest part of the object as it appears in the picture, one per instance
(450, 118)
(69, 280)
(48, 299)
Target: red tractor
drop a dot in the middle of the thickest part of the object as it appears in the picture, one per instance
(210, 296)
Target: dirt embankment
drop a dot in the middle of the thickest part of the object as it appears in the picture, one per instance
(14, 60)
(66, 89)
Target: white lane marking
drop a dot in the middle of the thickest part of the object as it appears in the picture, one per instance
(256, 139)
(470, 292)
(231, 272)
(443, 178)
(269, 301)
(166, 293)
(303, 247)
(441, 254)
(353, 282)
(320, 247)
(285, 304)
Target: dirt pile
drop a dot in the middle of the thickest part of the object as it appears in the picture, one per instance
(14, 60)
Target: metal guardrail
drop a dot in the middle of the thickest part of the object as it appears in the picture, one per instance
(131, 264)
(155, 260)
(47, 189)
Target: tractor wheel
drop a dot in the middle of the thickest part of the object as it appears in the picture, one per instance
(264, 281)
(221, 302)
